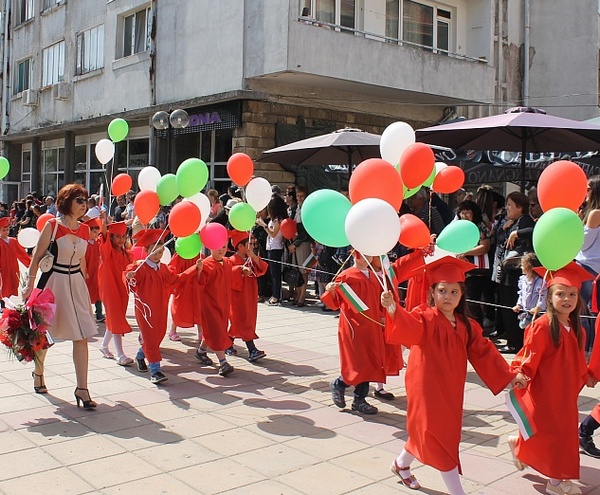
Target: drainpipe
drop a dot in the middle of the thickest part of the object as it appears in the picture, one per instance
(527, 27)
(500, 58)
(152, 76)
(5, 35)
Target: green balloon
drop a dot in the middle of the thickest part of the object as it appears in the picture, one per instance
(188, 247)
(430, 179)
(324, 215)
(192, 176)
(557, 237)
(4, 167)
(166, 188)
(459, 236)
(242, 217)
(118, 130)
(410, 192)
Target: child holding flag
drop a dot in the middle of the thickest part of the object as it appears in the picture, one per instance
(356, 293)
(553, 360)
(442, 339)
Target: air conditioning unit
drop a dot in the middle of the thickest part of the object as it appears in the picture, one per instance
(60, 91)
(30, 97)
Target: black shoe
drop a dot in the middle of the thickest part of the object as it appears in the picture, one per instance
(100, 319)
(363, 407)
(255, 355)
(203, 358)
(337, 394)
(508, 349)
(587, 445)
(225, 369)
(231, 351)
(382, 394)
(141, 365)
(158, 377)
(87, 403)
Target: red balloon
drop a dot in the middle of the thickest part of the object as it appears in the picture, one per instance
(214, 235)
(376, 178)
(42, 219)
(240, 168)
(448, 180)
(416, 163)
(184, 219)
(288, 228)
(138, 253)
(146, 205)
(562, 184)
(414, 233)
(121, 184)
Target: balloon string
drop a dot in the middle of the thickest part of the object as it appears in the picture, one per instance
(376, 276)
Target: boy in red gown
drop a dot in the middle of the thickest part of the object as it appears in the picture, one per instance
(92, 262)
(186, 303)
(247, 266)
(152, 283)
(10, 252)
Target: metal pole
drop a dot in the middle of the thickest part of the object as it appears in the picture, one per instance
(523, 162)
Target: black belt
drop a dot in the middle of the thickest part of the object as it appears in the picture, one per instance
(66, 269)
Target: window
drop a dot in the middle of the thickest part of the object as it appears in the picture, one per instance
(339, 12)
(426, 25)
(392, 16)
(90, 50)
(26, 172)
(23, 76)
(136, 32)
(53, 59)
(23, 11)
(46, 4)
(132, 155)
(53, 170)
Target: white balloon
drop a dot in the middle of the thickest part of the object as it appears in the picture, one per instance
(372, 226)
(105, 151)
(148, 178)
(28, 237)
(203, 203)
(439, 166)
(258, 193)
(166, 256)
(395, 139)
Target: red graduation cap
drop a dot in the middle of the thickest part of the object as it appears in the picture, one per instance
(94, 223)
(118, 228)
(149, 237)
(572, 275)
(447, 269)
(4, 222)
(237, 237)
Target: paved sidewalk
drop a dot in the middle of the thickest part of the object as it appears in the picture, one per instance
(269, 428)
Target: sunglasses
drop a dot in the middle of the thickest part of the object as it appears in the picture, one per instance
(80, 200)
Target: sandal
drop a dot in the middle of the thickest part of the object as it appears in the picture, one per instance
(124, 361)
(174, 337)
(563, 488)
(106, 353)
(273, 302)
(410, 481)
(512, 444)
(41, 389)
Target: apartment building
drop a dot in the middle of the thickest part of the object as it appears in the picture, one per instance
(254, 74)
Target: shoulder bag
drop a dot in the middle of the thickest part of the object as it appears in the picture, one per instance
(46, 263)
(292, 275)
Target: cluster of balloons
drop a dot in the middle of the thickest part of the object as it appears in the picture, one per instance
(105, 148)
(558, 234)
(369, 220)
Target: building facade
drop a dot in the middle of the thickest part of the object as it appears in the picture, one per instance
(255, 74)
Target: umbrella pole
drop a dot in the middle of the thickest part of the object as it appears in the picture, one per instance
(523, 163)
(349, 165)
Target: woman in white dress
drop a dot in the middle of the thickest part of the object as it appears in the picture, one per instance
(74, 319)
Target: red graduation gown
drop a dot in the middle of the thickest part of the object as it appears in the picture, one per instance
(557, 375)
(10, 252)
(186, 303)
(244, 298)
(435, 379)
(152, 290)
(595, 367)
(360, 340)
(113, 291)
(215, 284)
(92, 263)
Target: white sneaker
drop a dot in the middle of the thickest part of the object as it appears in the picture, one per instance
(563, 488)
(124, 361)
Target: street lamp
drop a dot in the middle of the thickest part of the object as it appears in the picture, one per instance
(163, 121)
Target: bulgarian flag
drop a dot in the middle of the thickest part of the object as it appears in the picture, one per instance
(387, 267)
(310, 261)
(518, 406)
(352, 298)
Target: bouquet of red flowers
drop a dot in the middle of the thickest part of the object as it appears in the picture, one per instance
(24, 327)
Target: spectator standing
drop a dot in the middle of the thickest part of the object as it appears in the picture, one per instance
(419, 206)
(275, 244)
(50, 206)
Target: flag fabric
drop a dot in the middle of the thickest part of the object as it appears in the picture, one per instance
(387, 267)
(310, 261)
(521, 413)
(352, 298)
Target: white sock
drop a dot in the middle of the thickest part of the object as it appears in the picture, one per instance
(555, 482)
(452, 480)
(405, 459)
(119, 345)
(379, 386)
(106, 339)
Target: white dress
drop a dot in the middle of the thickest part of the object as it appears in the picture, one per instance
(74, 318)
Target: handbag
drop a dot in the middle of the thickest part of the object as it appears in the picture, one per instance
(292, 275)
(47, 261)
(512, 260)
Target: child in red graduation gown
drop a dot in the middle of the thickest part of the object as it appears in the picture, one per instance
(360, 334)
(152, 284)
(553, 360)
(247, 266)
(442, 339)
(10, 252)
(186, 303)
(592, 422)
(92, 263)
(114, 258)
(215, 284)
